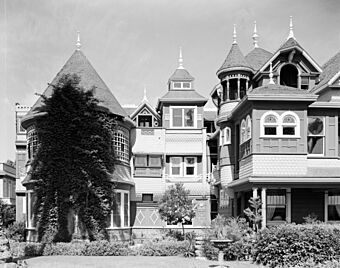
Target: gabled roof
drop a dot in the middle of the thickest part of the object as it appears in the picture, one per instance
(257, 57)
(79, 65)
(147, 105)
(331, 71)
(234, 60)
(181, 75)
(290, 44)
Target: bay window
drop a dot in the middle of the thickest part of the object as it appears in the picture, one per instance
(121, 144)
(148, 165)
(183, 117)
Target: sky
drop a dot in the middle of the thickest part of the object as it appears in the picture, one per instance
(134, 43)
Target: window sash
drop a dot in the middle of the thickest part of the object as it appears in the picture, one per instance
(190, 168)
(120, 215)
(183, 117)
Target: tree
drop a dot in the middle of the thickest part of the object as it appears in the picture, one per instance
(72, 166)
(7, 214)
(254, 213)
(175, 207)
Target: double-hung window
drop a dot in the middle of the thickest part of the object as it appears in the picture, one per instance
(183, 117)
(148, 166)
(316, 135)
(181, 85)
(225, 136)
(270, 125)
(183, 166)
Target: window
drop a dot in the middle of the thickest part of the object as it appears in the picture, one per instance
(334, 207)
(121, 144)
(289, 75)
(270, 124)
(147, 197)
(276, 205)
(183, 117)
(145, 120)
(181, 85)
(243, 131)
(183, 166)
(225, 136)
(284, 126)
(189, 166)
(32, 142)
(315, 138)
(289, 124)
(248, 127)
(148, 166)
(120, 215)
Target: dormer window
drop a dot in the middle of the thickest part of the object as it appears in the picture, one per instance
(145, 120)
(181, 85)
(183, 117)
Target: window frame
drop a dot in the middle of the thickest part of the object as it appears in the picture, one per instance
(182, 84)
(183, 117)
(243, 131)
(337, 196)
(279, 125)
(285, 205)
(318, 135)
(122, 212)
(182, 166)
(120, 136)
(225, 136)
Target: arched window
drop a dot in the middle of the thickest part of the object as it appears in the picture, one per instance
(289, 76)
(270, 124)
(243, 134)
(248, 127)
(290, 124)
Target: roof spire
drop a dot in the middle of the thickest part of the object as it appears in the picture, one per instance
(234, 35)
(271, 81)
(255, 36)
(144, 97)
(180, 59)
(291, 32)
(78, 44)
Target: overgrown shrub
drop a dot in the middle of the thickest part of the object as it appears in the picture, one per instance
(16, 231)
(290, 245)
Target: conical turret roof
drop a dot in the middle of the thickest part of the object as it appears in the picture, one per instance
(79, 65)
(234, 61)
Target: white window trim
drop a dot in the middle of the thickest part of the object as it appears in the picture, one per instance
(185, 166)
(122, 214)
(224, 138)
(183, 107)
(182, 166)
(248, 125)
(243, 136)
(279, 125)
(323, 135)
(296, 125)
(175, 82)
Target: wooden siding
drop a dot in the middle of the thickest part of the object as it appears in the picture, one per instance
(149, 141)
(307, 201)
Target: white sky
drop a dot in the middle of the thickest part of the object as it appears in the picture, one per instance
(134, 43)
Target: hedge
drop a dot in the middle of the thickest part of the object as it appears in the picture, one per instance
(292, 245)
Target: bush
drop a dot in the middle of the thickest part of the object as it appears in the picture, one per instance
(292, 245)
(22, 249)
(16, 231)
(162, 248)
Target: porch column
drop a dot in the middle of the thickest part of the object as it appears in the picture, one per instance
(227, 88)
(264, 207)
(255, 193)
(326, 206)
(238, 87)
(289, 205)
(242, 202)
(29, 209)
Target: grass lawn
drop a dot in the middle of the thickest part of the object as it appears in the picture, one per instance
(127, 262)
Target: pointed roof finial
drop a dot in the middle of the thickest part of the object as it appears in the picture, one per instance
(144, 97)
(291, 32)
(78, 44)
(271, 81)
(180, 59)
(255, 36)
(234, 35)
